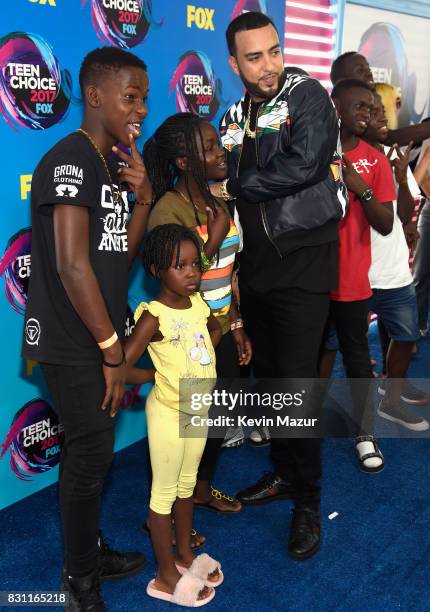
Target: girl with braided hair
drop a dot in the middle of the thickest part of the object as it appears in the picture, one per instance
(181, 157)
(167, 326)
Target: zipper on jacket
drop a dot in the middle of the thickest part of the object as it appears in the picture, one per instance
(261, 205)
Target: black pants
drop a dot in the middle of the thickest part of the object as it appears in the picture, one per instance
(77, 393)
(286, 328)
(350, 319)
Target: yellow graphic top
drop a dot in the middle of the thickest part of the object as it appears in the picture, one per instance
(184, 359)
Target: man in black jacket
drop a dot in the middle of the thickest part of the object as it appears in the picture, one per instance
(281, 140)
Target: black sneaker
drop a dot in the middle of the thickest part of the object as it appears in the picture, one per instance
(410, 394)
(114, 565)
(305, 533)
(269, 488)
(402, 416)
(84, 594)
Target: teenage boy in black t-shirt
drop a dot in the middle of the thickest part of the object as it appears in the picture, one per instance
(77, 304)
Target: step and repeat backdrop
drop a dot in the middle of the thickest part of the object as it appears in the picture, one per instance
(396, 47)
(42, 44)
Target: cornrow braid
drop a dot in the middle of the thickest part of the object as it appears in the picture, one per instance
(160, 244)
(178, 136)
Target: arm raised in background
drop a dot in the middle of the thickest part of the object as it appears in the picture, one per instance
(405, 199)
(403, 136)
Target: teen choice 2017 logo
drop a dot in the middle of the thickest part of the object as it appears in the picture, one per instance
(15, 266)
(34, 91)
(123, 23)
(244, 6)
(195, 85)
(34, 440)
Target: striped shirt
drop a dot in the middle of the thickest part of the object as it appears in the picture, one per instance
(215, 285)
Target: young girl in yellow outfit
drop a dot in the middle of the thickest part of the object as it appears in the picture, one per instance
(180, 333)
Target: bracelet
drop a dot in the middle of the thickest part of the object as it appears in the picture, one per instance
(226, 196)
(206, 262)
(109, 342)
(237, 324)
(116, 365)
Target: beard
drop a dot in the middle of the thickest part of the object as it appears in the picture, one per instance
(255, 90)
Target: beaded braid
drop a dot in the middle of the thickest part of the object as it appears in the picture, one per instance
(160, 244)
(177, 137)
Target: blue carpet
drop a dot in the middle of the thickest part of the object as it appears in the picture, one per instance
(375, 555)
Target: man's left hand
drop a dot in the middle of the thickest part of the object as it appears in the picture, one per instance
(243, 346)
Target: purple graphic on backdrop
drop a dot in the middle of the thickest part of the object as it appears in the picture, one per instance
(243, 6)
(123, 23)
(34, 92)
(196, 88)
(34, 440)
(15, 265)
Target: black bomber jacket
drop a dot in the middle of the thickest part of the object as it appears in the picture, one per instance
(298, 179)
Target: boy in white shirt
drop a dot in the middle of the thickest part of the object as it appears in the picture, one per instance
(394, 299)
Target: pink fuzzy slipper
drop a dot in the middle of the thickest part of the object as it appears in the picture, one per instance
(186, 592)
(201, 567)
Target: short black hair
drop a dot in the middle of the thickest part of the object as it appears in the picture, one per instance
(347, 84)
(252, 20)
(160, 245)
(101, 62)
(337, 71)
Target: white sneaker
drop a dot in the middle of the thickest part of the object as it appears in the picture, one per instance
(402, 416)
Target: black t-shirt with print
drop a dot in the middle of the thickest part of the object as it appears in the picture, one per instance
(73, 173)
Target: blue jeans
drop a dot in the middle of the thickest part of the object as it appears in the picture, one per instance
(398, 311)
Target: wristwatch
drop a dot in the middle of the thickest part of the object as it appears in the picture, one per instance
(366, 196)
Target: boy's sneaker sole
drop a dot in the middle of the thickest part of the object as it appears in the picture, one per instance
(421, 425)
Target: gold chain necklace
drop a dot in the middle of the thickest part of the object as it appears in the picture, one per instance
(116, 196)
(250, 133)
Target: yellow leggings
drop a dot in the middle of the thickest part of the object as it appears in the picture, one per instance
(175, 457)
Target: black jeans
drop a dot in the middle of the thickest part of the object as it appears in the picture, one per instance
(77, 393)
(286, 328)
(422, 266)
(350, 319)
